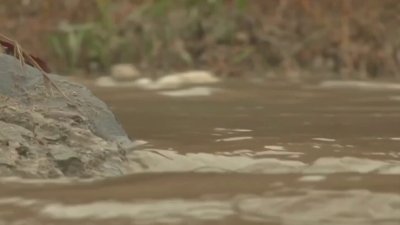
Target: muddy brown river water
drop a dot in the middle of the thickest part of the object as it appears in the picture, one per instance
(247, 154)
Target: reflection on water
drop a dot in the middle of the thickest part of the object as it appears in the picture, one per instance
(246, 154)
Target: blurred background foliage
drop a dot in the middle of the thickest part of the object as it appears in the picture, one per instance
(357, 39)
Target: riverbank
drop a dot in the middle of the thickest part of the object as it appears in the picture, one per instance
(285, 39)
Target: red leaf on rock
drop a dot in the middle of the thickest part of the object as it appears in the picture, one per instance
(9, 49)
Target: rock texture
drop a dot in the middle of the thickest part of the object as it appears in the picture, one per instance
(46, 135)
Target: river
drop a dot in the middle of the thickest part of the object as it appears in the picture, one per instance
(248, 153)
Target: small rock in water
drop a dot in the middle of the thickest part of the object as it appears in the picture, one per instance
(124, 72)
(145, 83)
(106, 81)
(169, 81)
(192, 77)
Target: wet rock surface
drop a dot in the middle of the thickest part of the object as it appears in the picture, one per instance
(47, 135)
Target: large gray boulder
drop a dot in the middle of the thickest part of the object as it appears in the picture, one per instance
(44, 134)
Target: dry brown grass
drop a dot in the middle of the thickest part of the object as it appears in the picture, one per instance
(12, 47)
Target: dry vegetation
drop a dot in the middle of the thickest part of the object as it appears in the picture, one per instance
(355, 39)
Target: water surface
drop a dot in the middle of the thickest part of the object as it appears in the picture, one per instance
(246, 154)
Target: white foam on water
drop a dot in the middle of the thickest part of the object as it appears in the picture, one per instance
(312, 178)
(240, 152)
(251, 153)
(221, 129)
(353, 207)
(248, 161)
(241, 130)
(376, 153)
(162, 211)
(239, 161)
(155, 160)
(395, 98)
(17, 201)
(272, 152)
(275, 147)
(360, 85)
(324, 139)
(190, 92)
(234, 139)
(310, 207)
(351, 164)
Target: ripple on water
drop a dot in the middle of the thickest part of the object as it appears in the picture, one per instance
(240, 138)
(248, 161)
(305, 207)
(309, 207)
